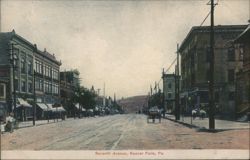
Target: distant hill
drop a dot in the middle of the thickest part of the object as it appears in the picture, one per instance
(133, 104)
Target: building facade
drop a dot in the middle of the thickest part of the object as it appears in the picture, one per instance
(243, 76)
(169, 91)
(195, 56)
(18, 67)
(47, 78)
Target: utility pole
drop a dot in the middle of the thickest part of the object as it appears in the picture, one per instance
(163, 93)
(177, 87)
(211, 72)
(34, 105)
(104, 100)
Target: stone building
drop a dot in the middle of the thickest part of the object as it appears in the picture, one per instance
(169, 92)
(195, 55)
(25, 66)
(243, 76)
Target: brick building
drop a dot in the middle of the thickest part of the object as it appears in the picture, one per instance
(169, 91)
(243, 76)
(31, 67)
(195, 53)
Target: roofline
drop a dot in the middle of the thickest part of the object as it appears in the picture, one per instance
(242, 35)
(206, 29)
(33, 46)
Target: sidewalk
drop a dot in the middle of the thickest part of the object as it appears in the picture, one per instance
(204, 123)
(37, 122)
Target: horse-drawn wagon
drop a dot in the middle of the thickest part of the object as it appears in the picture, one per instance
(154, 113)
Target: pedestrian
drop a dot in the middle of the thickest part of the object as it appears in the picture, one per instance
(10, 121)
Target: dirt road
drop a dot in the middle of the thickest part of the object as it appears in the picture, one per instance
(129, 131)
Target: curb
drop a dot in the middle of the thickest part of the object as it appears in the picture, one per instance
(200, 129)
(183, 123)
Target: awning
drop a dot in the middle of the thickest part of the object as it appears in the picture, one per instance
(78, 106)
(50, 107)
(43, 106)
(56, 109)
(60, 109)
(23, 103)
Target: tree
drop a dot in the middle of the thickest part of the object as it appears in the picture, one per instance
(84, 97)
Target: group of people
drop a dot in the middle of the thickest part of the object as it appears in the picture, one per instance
(197, 112)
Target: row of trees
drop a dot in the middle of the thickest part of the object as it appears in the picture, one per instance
(89, 99)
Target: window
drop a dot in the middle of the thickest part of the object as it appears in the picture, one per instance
(231, 54)
(231, 96)
(50, 75)
(50, 87)
(169, 95)
(241, 48)
(30, 87)
(41, 85)
(23, 86)
(46, 86)
(22, 65)
(30, 67)
(169, 85)
(208, 53)
(2, 91)
(231, 75)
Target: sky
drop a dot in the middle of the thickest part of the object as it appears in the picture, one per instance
(122, 43)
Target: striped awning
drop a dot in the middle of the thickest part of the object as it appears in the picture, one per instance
(56, 109)
(43, 106)
(50, 107)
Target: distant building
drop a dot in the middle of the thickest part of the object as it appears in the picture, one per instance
(169, 91)
(32, 67)
(243, 76)
(69, 81)
(195, 55)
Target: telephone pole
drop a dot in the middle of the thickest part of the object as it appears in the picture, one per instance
(177, 82)
(211, 72)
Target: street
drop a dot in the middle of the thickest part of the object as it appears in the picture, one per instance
(119, 132)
